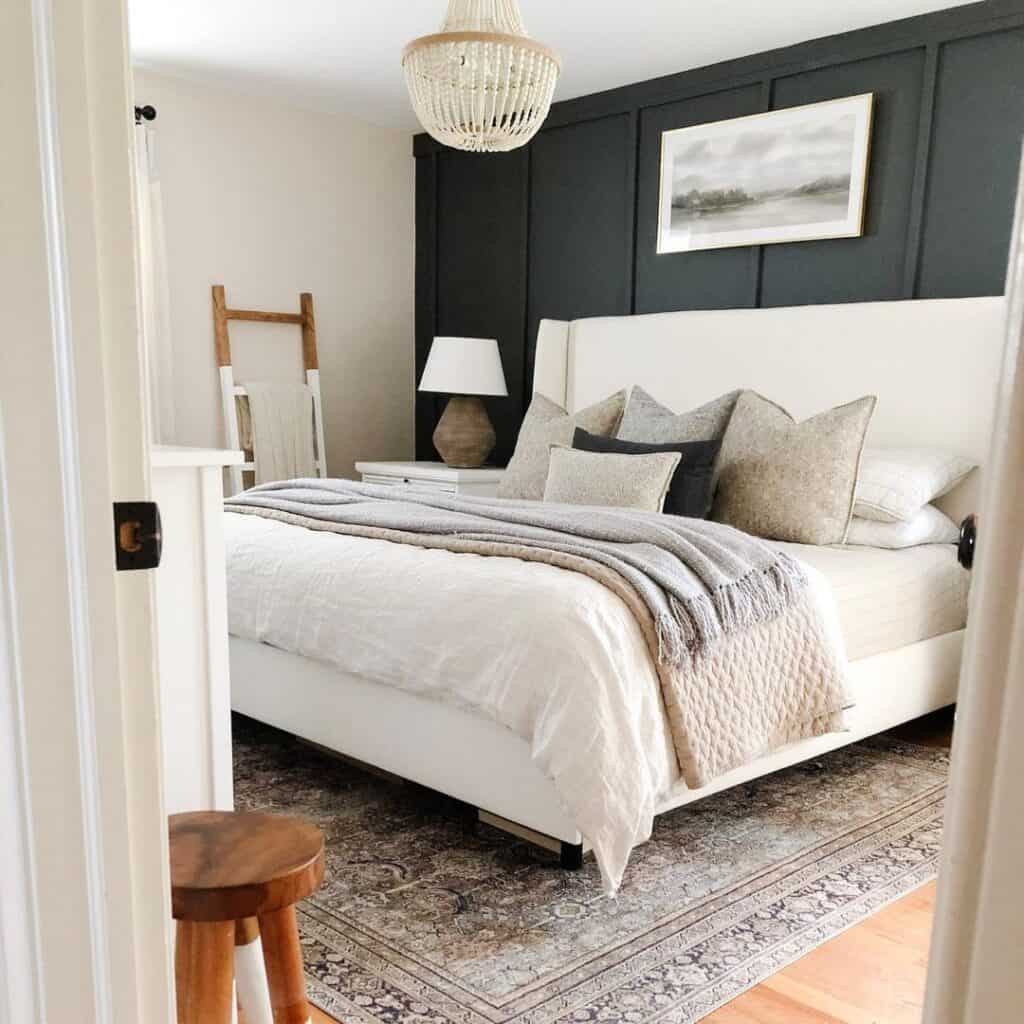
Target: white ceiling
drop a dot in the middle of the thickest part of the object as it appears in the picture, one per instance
(343, 55)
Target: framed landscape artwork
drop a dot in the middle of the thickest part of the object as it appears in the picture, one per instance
(783, 176)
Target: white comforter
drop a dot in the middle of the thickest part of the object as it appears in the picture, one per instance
(550, 654)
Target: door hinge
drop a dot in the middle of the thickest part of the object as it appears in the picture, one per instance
(138, 539)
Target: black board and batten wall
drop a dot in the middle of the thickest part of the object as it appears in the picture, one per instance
(565, 227)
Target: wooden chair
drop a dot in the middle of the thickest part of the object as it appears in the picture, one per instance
(236, 876)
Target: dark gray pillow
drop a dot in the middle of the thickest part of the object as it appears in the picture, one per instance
(646, 419)
(689, 493)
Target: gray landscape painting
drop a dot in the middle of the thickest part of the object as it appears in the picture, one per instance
(788, 176)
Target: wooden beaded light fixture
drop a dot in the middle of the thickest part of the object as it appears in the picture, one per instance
(481, 83)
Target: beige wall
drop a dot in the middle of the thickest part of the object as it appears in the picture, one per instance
(270, 201)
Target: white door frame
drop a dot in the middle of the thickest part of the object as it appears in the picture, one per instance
(20, 951)
(83, 883)
(84, 896)
(978, 938)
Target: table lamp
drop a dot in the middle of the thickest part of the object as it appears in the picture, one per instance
(464, 368)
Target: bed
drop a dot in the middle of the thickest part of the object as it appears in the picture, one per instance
(372, 667)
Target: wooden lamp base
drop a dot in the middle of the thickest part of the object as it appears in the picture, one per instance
(464, 436)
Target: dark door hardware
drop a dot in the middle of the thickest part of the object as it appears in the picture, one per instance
(968, 539)
(138, 539)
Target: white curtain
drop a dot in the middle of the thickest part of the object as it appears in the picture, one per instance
(154, 291)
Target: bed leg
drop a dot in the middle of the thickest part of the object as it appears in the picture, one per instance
(571, 856)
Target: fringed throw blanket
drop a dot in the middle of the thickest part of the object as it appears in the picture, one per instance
(745, 660)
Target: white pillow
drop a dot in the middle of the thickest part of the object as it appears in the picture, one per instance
(929, 526)
(896, 483)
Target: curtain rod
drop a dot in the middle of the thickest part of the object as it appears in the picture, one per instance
(146, 113)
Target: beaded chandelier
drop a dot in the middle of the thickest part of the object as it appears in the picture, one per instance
(481, 83)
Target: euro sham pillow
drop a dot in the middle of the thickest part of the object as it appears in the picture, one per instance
(896, 483)
(785, 480)
(577, 477)
(647, 420)
(547, 423)
(689, 493)
(929, 525)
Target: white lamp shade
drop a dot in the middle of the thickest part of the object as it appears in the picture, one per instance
(464, 366)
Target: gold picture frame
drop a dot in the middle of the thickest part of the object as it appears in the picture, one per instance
(791, 175)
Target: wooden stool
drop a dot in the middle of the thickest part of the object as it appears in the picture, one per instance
(240, 873)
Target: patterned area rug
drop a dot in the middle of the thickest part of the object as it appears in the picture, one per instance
(427, 918)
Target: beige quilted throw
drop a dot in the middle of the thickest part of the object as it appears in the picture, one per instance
(745, 658)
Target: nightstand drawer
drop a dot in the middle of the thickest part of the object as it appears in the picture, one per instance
(433, 478)
(432, 486)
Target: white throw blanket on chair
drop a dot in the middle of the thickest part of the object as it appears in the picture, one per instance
(282, 430)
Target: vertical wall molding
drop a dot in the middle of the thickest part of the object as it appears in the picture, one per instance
(757, 251)
(428, 268)
(632, 213)
(526, 389)
(574, 273)
(436, 408)
(919, 189)
(435, 164)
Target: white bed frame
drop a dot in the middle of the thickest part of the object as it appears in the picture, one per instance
(934, 365)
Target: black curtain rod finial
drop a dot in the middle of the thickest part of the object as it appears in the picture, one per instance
(146, 113)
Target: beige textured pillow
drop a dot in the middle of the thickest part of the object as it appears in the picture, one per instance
(788, 480)
(547, 423)
(647, 420)
(614, 479)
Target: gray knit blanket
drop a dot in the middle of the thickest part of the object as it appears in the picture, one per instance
(698, 579)
(745, 660)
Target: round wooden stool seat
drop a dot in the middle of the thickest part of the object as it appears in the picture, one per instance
(229, 865)
(235, 878)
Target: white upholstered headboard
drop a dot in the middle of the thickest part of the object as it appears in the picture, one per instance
(933, 363)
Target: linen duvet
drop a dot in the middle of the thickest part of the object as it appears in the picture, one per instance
(563, 659)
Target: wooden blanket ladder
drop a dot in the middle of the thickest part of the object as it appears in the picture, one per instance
(231, 392)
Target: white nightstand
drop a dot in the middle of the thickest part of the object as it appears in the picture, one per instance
(433, 476)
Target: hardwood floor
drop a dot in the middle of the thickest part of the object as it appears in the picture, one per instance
(872, 974)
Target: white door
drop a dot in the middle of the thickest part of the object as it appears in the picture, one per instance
(83, 890)
(978, 939)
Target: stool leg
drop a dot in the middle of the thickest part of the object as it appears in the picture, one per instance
(282, 955)
(204, 971)
(250, 974)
